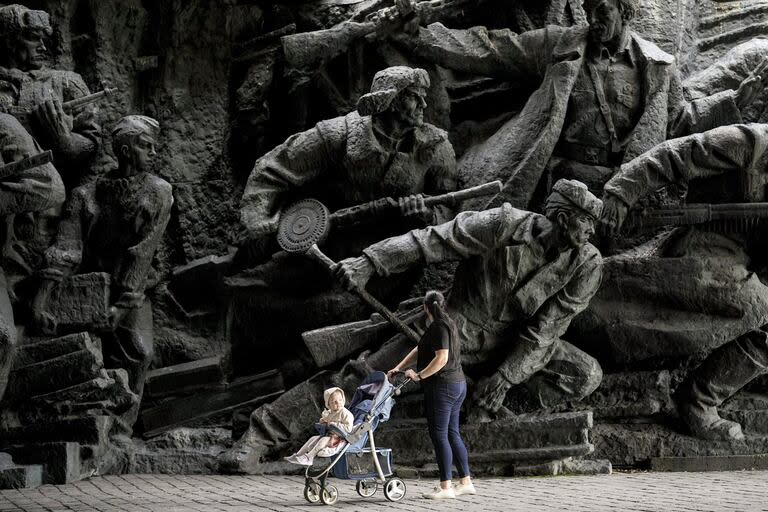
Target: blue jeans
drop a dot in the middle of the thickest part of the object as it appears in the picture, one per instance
(442, 403)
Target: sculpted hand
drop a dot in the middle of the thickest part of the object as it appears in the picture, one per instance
(55, 121)
(45, 323)
(752, 85)
(491, 392)
(116, 315)
(614, 214)
(354, 272)
(413, 206)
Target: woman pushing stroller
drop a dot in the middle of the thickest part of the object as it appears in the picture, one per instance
(438, 368)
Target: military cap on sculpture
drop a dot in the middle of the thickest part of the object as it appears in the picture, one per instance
(387, 84)
(17, 18)
(130, 127)
(573, 195)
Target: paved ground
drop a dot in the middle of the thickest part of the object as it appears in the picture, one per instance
(745, 491)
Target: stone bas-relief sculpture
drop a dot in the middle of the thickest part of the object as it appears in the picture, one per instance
(383, 149)
(544, 262)
(548, 272)
(29, 190)
(727, 302)
(605, 96)
(539, 81)
(114, 225)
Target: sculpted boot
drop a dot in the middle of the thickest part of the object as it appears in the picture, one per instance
(721, 375)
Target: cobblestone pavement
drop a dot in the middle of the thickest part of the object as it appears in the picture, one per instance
(744, 491)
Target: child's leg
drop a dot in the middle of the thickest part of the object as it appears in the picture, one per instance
(321, 443)
(309, 445)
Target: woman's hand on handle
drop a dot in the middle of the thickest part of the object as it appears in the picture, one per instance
(409, 373)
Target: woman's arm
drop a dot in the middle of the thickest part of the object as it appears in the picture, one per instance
(434, 366)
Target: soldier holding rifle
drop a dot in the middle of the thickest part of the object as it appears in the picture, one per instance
(721, 309)
(37, 97)
(382, 149)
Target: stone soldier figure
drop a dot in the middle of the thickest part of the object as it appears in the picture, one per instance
(522, 278)
(605, 95)
(114, 225)
(24, 82)
(27, 85)
(35, 189)
(384, 149)
(698, 285)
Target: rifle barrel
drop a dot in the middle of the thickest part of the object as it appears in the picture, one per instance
(14, 168)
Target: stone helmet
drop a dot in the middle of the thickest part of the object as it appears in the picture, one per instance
(387, 84)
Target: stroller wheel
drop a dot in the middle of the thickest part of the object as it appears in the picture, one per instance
(312, 492)
(366, 489)
(394, 489)
(330, 495)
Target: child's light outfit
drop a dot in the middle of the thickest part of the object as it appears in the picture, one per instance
(326, 445)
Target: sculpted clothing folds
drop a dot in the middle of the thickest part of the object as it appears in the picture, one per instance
(342, 163)
(554, 57)
(511, 301)
(32, 88)
(115, 225)
(32, 190)
(700, 279)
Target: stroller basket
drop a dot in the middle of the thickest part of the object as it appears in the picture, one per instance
(360, 466)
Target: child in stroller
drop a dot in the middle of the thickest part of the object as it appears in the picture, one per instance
(370, 466)
(334, 415)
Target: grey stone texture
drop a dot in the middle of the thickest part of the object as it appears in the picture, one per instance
(214, 75)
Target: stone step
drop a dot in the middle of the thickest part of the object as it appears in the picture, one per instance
(724, 463)
(39, 351)
(60, 461)
(58, 373)
(86, 430)
(15, 476)
(525, 438)
(184, 378)
(635, 445)
(183, 411)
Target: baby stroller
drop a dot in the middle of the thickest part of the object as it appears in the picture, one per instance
(370, 466)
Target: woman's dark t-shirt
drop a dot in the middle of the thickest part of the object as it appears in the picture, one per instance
(438, 336)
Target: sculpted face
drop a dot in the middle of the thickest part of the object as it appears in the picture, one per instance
(30, 51)
(578, 228)
(408, 107)
(141, 152)
(605, 20)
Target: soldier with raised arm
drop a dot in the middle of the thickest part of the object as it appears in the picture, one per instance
(605, 95)
(522, 278)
